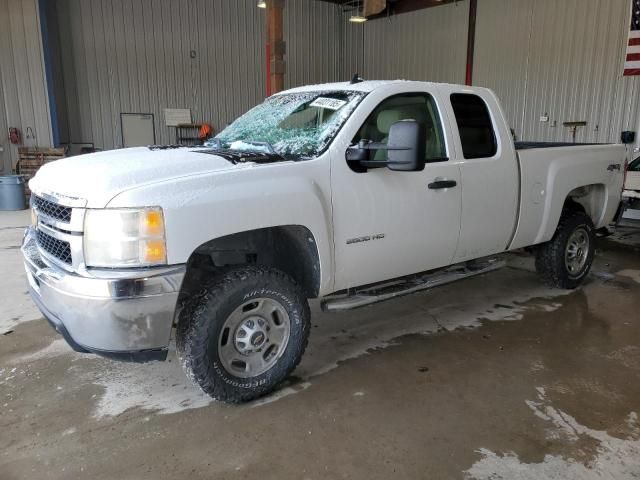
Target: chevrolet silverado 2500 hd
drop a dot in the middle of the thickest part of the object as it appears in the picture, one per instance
(348, 192)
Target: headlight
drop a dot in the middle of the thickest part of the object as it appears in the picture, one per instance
(124, 237)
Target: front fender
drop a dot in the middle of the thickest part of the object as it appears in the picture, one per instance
(203, 208)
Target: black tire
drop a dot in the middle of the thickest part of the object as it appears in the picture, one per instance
(550, 256)
(201, 323)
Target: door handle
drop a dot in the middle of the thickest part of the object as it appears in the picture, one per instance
(438, 184)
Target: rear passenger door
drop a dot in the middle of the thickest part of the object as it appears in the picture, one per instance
(489, 173)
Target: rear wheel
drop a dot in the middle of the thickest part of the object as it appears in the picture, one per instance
(566, 259)
(244, 333)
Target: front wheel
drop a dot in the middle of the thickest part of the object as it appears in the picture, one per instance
(244, 333)
(566, 259)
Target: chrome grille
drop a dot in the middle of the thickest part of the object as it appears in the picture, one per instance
(58, 249)
(51, 209)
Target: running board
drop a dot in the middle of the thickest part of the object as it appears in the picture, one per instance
(386, 291)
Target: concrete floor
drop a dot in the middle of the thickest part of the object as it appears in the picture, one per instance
(495, 377)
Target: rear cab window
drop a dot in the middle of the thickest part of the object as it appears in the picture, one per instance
(477, 134)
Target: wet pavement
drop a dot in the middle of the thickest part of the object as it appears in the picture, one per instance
(495, 377)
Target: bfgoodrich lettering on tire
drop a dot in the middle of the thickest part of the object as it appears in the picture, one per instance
(244, 333)
(566, 259)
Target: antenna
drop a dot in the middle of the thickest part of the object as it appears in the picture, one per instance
(356, 79)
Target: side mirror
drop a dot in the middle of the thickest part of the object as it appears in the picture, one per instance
(406, 146)
(406, 149)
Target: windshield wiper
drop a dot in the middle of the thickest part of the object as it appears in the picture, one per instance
(268, 146)
(261, 146)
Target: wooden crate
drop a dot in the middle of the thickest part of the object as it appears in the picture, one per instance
(30, 159)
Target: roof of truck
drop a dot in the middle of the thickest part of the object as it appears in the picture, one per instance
(364, 86)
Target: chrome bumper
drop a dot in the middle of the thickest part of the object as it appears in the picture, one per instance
(126, 315)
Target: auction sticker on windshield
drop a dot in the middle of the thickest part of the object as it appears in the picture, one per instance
(330, 103)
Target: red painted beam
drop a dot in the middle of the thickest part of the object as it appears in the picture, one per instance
(275, 47)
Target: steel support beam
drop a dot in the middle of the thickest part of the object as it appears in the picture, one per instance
(275, 47)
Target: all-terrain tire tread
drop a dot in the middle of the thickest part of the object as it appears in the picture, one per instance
(195, 330)
(550, 255)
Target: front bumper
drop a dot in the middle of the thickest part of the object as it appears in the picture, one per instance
(119, 314)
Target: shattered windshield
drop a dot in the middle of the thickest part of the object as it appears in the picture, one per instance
(295, 124)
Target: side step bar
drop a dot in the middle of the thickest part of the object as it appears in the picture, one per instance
(396, 288)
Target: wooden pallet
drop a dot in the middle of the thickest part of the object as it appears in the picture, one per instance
(30, 159)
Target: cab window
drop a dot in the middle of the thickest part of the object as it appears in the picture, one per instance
(414, 106)
(474, 124)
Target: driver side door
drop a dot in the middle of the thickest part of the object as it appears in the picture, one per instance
(387, 223)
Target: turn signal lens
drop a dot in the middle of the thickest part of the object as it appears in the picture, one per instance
(153, 223)
(154, 252)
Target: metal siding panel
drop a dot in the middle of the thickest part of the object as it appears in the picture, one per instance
(428, 44)
(104, 64)
(497, 21)
(21, 68)
(36, 75)
(8, 77)
(561, 58)
(133, 56)
(24, 100)
(314, 37)
(5, 154)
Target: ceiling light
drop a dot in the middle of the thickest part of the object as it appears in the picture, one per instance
(357, 18)
(262, 4)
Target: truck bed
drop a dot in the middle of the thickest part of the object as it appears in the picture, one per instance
(550, 172)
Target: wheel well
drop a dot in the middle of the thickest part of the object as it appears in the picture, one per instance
(289, 248)
(589, 199)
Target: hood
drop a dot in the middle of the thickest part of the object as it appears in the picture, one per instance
(98, 177)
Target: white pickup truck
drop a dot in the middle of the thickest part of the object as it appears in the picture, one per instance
(348, 192)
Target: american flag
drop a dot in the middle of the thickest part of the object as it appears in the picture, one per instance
(632, 61)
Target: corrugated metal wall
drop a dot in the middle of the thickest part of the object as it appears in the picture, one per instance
(559, 58)
(5, 152)
(135, 56)
(23, 92)
(315, 43)
(429, 44)
(563, 59)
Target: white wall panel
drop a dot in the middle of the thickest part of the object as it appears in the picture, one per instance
(314, 37)
(25, 103)
(134, 56)
(562, 58)
(428, 44)
(5, 153)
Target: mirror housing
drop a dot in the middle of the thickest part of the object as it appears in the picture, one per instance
(406, 146)
(406, 149)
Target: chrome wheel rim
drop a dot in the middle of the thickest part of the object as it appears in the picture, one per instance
(254, 337)
(577, 251)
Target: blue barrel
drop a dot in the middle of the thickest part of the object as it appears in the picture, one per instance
(12, 193)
